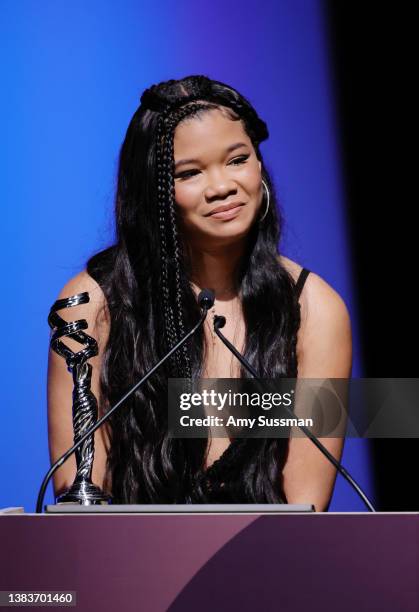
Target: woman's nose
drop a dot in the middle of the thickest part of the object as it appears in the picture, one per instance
(219, 185)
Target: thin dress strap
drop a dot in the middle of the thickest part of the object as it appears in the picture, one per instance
(300, 282)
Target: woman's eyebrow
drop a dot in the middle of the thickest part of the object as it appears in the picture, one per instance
(229, 149)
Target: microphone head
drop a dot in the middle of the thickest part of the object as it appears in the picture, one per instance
(219, 322)
(206, 299)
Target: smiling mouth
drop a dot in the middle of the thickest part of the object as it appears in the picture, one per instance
(228, 213)
(224, 208)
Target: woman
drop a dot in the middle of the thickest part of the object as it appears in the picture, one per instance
(195, 208)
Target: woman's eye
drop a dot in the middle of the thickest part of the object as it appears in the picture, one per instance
(188, 173)
(240, 160)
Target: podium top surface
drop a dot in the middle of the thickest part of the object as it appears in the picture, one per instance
(167, 509)
(178, 508)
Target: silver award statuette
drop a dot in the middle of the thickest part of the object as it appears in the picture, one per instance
(85, 409)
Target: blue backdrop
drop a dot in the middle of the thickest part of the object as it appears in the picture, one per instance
(72, 77)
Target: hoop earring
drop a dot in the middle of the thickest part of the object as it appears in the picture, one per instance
(268, 197)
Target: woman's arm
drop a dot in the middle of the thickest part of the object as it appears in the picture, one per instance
(60, 383)
(324, 350)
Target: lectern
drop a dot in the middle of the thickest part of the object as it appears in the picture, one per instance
(137, 560)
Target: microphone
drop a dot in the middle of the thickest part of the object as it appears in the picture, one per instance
(205, 301)
(206, 298)
(219, 322)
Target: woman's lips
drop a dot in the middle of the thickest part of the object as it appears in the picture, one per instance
(227, 214)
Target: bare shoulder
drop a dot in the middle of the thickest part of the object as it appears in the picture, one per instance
(322, 305)
(324, 338)
(292, 267)
(318, 299)
(84, 282)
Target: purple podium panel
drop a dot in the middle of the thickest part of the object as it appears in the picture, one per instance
(287, 563)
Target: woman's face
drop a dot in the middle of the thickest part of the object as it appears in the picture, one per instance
(215, 166)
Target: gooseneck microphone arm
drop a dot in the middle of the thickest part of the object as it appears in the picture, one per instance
(205, 300)
(219, 322)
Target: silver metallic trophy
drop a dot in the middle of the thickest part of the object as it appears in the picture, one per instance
(85, 409)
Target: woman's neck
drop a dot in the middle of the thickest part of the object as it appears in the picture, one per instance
(216, 270)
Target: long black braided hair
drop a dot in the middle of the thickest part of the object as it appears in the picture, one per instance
(145, 277)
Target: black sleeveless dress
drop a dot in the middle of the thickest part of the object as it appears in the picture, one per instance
(300, 282)
(231, 460)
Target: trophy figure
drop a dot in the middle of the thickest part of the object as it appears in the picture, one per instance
(85, 408)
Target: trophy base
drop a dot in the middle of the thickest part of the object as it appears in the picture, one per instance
(84, 492)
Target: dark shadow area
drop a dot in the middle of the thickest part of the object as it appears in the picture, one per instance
(370, 55)
(292, 565)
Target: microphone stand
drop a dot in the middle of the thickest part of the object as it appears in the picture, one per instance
(219, 322)
(206, 300)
